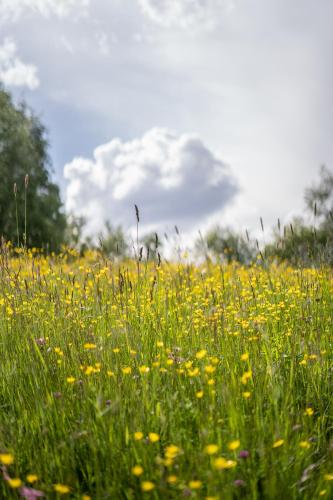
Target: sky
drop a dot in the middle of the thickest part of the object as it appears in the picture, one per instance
(201, 112)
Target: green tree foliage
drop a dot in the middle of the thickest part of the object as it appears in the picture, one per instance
(113, 242)
(319, 199)
(309, 243)
(152, 245)
(226, 245)
(28, 198)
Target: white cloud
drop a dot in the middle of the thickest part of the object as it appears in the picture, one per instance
(12, 9)
(183, 13)
(14, 72)
(174, 179)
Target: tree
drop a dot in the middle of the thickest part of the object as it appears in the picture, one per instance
(152, 245)
(226, 245)
(319, 198)
(113, 242)
(30, 205)
(309, 244)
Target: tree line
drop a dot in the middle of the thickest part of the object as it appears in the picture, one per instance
(32, 213)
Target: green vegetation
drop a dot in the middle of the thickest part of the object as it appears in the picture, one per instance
(30, 205)
(164, 381)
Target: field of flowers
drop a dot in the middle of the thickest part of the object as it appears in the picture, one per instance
(167, 381)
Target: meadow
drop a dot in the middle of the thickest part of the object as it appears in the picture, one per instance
(164, 380)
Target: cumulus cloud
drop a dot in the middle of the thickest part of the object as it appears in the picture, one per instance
(14, 72)
(174, 179)
(183, 13)
(12, 9)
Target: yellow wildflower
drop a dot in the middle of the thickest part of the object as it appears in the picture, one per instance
(210, 369)
(278, 443)
(233, 445)
(61, 488)
(14, 482)
(195, 484)
(137, 470)
(138, 436)
(246, 377)
(32, 478)
(6, 458)
(172, 451)
(211, 449)
(221, 463)
(147, 486)
(89, 345)
(201, 354)
(153, 437)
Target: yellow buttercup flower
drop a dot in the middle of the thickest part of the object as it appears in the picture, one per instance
(211, 449)
(233, 445)
(89, 345)
(245, 356)
(126, 370)
(137, 470)
(210, 369)
(201, 354)
(147, 486)
(32, 478)
(199, 394)
(14, 482)
(221, 463)
(153, 437)
(172, 479)
(138, 436)
(62, 489)
(278, 443)
(6, 458)
(195, 484)
(172, 451)
(246, 377)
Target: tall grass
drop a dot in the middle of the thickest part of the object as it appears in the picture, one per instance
(168, 381)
